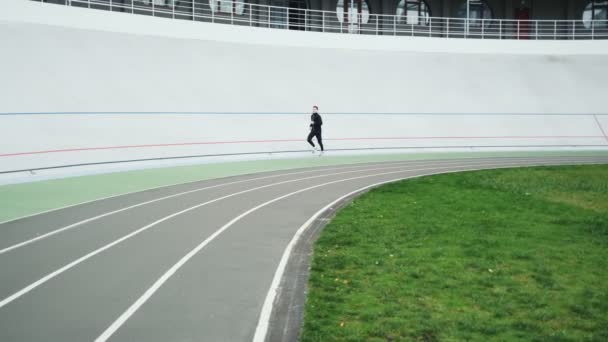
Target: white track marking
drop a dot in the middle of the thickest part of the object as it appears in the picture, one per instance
(209, 179)
(55, 273)
(265, 314)
(74, 225)
(168, 186)
(160, 281)
(245, 174)
(77, 224)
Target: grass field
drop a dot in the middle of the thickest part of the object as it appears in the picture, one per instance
(502, 255)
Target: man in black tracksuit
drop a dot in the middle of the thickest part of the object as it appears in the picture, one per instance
(315, 129)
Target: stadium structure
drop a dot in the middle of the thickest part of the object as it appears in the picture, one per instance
(188, 120)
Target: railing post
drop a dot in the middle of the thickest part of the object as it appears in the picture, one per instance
(448, 28)
(573, 30)
(250, 14)
(394, 25)
(360, 24)
(377, 20)
(536, 30)
(430, 27)
(518, 30)
(212, 8)
(111, 5)
(287, 22)
(154, 8)
(172, 8)
(268, 16)
(592, 29)
(554, 29)
(483, 29)
(323, 22)
(499, 29)
(305, 20)
(132, 7)
(194, 12)
(88, 3)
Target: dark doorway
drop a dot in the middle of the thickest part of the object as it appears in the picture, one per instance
(521, 13)
(297, 15)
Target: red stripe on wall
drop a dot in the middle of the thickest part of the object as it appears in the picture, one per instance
(82, 149)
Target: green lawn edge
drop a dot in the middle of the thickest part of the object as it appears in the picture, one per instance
(496, 255)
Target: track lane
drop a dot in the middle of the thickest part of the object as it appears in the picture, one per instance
(142, 258)
(128, 268)
(20, 232)
(242, 293)
(15, 233)
(120, 230)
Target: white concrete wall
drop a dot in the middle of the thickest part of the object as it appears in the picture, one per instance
(70, 60)
(58, 139)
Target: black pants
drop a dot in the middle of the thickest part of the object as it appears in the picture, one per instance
(317, 134)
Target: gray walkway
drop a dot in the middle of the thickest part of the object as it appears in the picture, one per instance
(196, 266)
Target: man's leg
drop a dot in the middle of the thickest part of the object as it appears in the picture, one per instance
(309, 139)
(320, 140)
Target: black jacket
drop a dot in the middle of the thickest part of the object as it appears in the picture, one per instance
(316, 122)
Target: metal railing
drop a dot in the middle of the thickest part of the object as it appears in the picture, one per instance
(246, 14)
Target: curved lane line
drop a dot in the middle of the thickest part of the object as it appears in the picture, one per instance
(74, 225)
(57, 272)
(195, 181)
(265, 314)
(201, 180)
(159, 282)
(79, 223)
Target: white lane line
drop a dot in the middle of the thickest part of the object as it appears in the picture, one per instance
(74, 225)
(77, 224)
(245, 174)
(80, 223)
(159, 282)
(55, 273)
(164, 186)
(210, 179)
(265, 314)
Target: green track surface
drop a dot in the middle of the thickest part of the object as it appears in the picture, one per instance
(20, 200)
(497, 255)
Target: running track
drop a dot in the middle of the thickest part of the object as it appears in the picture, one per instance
(202, 261)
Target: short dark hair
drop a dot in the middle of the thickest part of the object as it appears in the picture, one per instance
(315, 107)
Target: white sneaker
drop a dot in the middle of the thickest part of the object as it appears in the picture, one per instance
(321, 153)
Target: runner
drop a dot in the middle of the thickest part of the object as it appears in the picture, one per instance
(315, 130)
